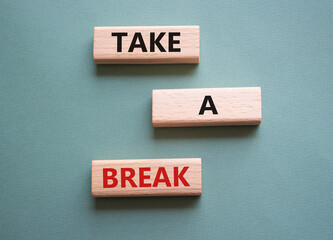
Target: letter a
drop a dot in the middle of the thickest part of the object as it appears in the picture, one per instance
(158, 179)
(141, 44)
(211, 104)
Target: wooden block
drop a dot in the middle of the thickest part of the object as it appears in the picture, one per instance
(146, 45)
(206, 107)
(146, 177)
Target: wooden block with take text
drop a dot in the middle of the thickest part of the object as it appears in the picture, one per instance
(146, 45)
(146, 177)
(206, 107)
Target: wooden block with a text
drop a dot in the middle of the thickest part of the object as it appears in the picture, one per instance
(146, 45)
(206, 107)
(146, 177)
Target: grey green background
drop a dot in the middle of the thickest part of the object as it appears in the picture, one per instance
(59, 111)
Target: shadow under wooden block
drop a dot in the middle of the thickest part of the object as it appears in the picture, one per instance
(205, 132)
(146, 70)
(146, 203)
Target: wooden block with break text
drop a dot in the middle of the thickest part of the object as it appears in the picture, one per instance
(206, 107)
(146, 177)
(146, 45)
